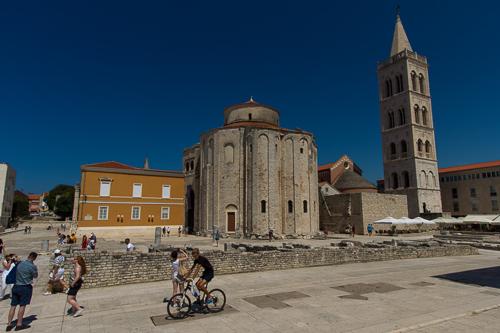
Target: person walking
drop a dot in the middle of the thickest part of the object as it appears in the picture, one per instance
(77, 281)
(25, 230)
(22, 291)
(270, 235)
(8, 264)
(164, 231)
(85, 242)
(370, 229)
(353, 231)
(29, 230)
(180, 231)
(168, 231)
(217, 237)
(2, 248)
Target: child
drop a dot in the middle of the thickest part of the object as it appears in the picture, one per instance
(178, 256)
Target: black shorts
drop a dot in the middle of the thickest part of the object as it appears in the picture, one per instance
(21, 295)
(74, 290)
(207, 276)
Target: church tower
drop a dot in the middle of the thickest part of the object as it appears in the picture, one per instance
(408, 143)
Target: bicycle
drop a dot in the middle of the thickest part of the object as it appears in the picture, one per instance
(179, 306)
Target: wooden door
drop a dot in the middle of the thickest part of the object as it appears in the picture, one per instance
(231, 222)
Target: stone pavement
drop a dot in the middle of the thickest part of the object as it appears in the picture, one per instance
(393, 296)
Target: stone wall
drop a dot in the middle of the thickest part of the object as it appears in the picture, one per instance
(359, 209)
(107, 269)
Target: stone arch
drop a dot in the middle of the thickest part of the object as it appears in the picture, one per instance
(428, 148)
(392, 151)
(421, 81)
(404, 149)
(414, 80)
(425, 119)
(416, 109)
(432, 179)
(402, 116)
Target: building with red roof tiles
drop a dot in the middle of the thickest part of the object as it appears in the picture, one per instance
(470, 188)
(116, 195)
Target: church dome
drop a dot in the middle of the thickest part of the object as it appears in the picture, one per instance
(251, 113)
(351, 181)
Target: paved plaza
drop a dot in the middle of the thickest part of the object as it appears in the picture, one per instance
(448, 294)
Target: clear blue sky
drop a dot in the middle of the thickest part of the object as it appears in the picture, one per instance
(90, 81)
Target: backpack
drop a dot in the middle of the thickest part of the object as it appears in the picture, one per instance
(11, 277)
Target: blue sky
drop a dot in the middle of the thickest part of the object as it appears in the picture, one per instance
(90, 81)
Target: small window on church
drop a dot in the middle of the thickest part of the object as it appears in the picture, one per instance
(302, 150)
(249, 116)
(305, 206)
(422, 85)
(263, 206)
(290, 206)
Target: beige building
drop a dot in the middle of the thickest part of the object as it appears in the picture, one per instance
(471, 189)
(251, 175)
(116, 195)
(7, 189)
(408, 143)
(346, 198)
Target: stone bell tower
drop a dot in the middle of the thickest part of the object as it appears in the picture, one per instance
(408, 143)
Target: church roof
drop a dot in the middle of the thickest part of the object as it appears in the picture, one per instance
(351, 180)
(400, 41)
(248, 104)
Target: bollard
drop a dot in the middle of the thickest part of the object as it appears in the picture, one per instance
(45, 245)
(157, 237)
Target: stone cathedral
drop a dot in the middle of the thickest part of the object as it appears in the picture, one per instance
(409, 148)
(251, 175)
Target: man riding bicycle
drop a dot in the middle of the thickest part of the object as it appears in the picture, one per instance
(208, 272)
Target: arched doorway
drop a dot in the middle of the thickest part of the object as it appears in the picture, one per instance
(231, 218)
(190, 208)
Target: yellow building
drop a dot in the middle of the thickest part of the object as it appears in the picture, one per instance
(113, 194)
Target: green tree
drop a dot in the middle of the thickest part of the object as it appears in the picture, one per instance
(60, 200)
(20, 206)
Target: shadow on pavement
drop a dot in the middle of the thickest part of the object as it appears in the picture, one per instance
(486, 277)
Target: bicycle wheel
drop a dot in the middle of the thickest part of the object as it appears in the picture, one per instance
(217, 302)
(179, 306)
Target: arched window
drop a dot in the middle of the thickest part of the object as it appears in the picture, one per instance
(423, 179)
(402, 117)
(424, 116)
(428, 149)
(304, 204)
(192, 165)
(432, 179)
(401, 83)
(414, 81)
(263, 206)
(406, 179)
(394, 178)
(404, 149)
(422, 84)
(420, 147)
(290, 206)
(417, 114)
(393, 151)
(187, 166)
(392, 119)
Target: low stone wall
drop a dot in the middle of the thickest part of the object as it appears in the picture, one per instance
(107, 269)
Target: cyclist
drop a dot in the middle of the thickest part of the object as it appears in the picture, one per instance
(208, 272)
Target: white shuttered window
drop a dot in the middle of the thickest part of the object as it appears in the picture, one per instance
(105, 188)
(165, 191)
(137, 191)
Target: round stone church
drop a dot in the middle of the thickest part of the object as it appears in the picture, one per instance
(251, 175)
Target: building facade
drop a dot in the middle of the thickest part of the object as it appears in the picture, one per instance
(116, 195)
(471, 189)
(7, 189)
(408, 143)
(251, 175)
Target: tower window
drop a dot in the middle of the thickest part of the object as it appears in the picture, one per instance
(393, 151)
(402, 117)
(249, 116)
(404, 149)
(392, 121)
(263, 206)
(304, 203)
(420, 147)
(414, 81)
(290, 206)
(406, 179)
(422, 85)
(395, 183)
(454, 193)
(493, 191)
(424, 116)
(302, 150)
(417, 114)
(428, 149)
